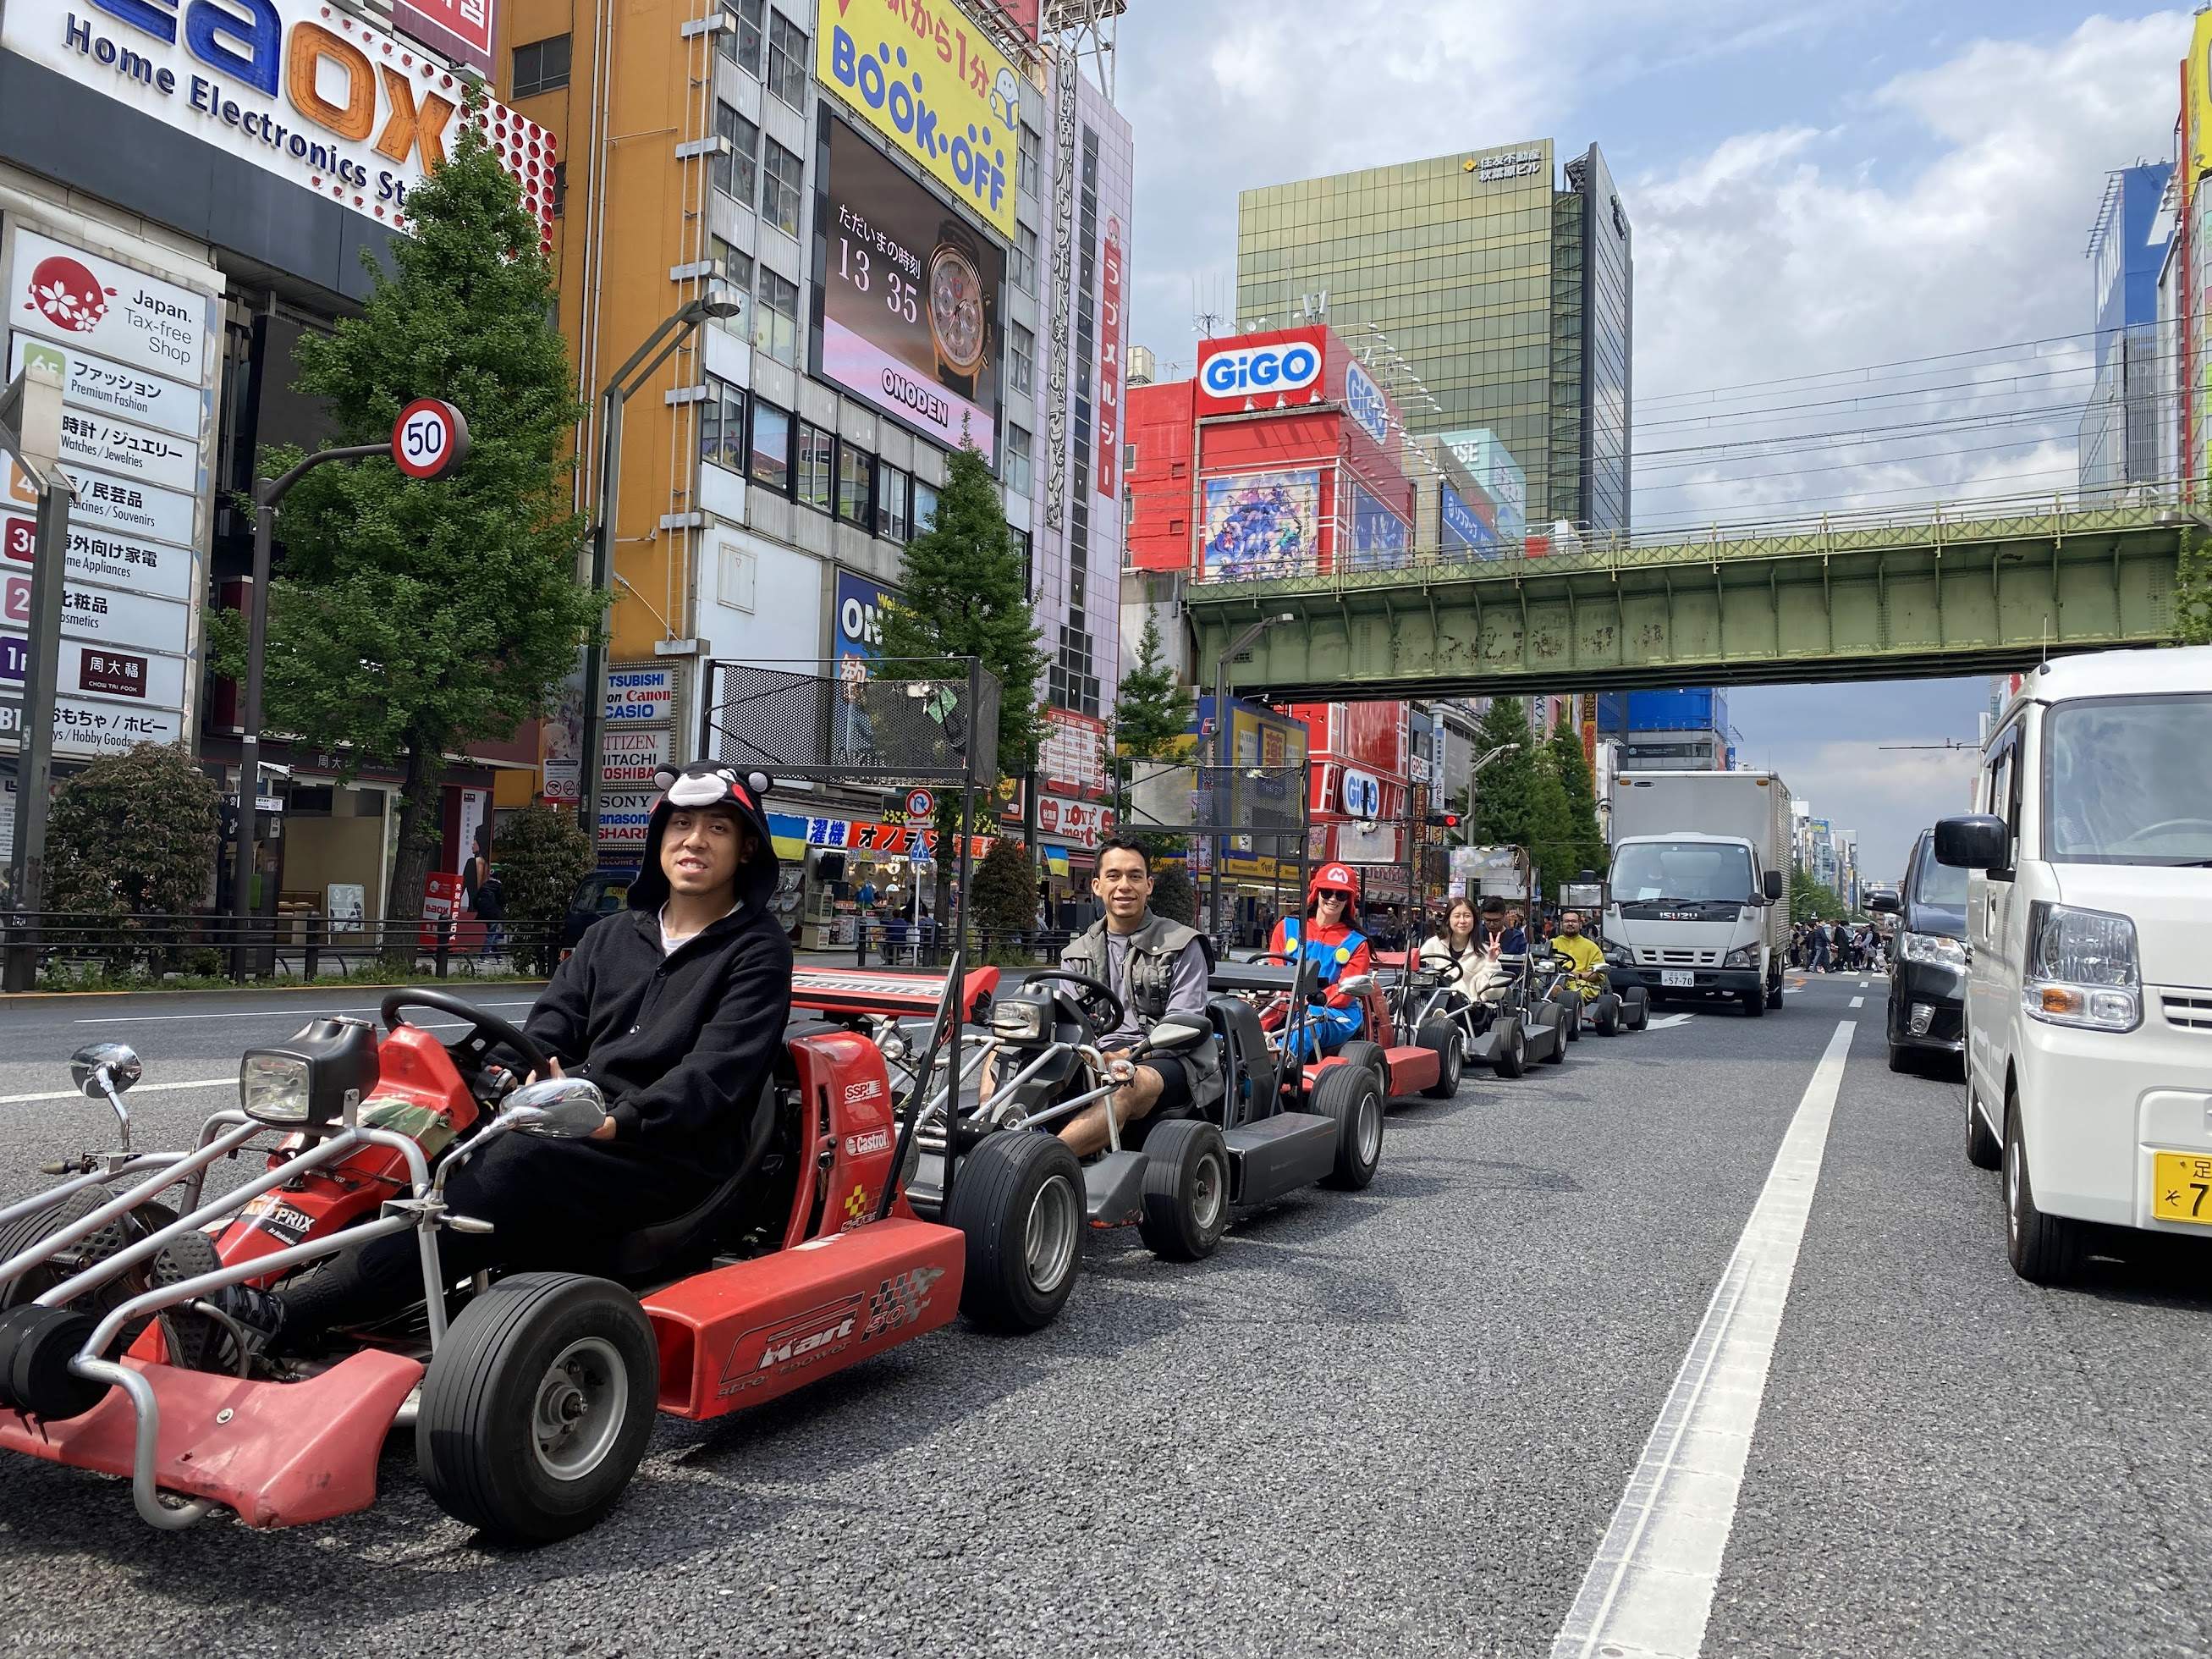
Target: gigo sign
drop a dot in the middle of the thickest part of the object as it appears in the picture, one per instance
(1232, 373)
(1364, 403)
(299, 88)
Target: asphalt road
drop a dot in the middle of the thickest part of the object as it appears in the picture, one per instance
(1397, 1422)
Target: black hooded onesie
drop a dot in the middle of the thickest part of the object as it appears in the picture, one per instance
(683, 1044)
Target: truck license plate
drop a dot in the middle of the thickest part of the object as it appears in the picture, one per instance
(2181, 1187)
(1677, 979)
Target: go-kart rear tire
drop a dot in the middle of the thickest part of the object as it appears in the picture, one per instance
(1571, 1018)
(1606, 1016)
(1637, 1012)
(1511, 1058)
(1440, 1038)
(1186, 1201)
(538, 1352)
(1018, 1199)
(1559, 1041)
(1360, 1052)
(1351, 1095)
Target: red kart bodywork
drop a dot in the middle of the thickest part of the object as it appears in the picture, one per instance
(845, 1286)
(1409, 1068)
(902, 995)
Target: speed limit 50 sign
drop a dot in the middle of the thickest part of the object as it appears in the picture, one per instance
(431, 439)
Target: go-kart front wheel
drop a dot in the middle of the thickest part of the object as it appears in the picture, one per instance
(1350, 1097)
(537, 1406)
(1510, 1058)
(1186, 1190)
(1018, 1199)
(1440, 1038)
(1606, 1016)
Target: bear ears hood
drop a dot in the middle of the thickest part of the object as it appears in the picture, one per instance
(702, 785)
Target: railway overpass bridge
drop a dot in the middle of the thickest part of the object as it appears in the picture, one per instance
(1979, 588)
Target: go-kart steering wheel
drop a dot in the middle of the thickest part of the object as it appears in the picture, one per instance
(1091, 987)
(485, 1029)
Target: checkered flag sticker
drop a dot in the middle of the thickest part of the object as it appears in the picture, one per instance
(899, 1301)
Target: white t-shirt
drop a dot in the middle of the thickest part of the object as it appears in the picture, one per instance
(670, 942)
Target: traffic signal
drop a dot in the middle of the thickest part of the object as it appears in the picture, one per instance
(1444, 820)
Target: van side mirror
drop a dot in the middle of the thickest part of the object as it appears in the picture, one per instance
(1772, 887)
(1976, 841)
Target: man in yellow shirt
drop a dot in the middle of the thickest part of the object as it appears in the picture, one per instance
(1581, 949)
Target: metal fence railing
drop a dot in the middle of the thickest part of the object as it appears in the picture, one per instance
(70, 948)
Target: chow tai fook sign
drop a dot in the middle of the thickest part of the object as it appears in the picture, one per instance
(922, 75)
(299, 89)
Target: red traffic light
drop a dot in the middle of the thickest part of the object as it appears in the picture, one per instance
(1444, 820)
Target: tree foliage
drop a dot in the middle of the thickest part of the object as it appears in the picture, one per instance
(1006, 896)
(133, 835)
(412, 617)
(2193, 590)
(1175, 896)
(1504, 794)
(1813, 900)
(1584, 840)
(1152, 715)
(543, 854)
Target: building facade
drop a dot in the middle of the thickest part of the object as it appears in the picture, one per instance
(2120, 438)
(183, 198)
(1505, 287)
(895, 304)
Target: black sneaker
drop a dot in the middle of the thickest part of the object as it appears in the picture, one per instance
(262, 1312)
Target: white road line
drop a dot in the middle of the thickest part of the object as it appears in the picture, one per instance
(1650, 1589)
(1664, 1021)
(142, 1090)
(1863, 984)
(1858, 1002)
(263, 1014)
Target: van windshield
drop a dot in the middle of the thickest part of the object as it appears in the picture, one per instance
(1645, 871)
(2126, 783)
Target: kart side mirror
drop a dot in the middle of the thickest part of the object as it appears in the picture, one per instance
(1180, 1032)
(559, 1108)
(1771, 886)
(100, 1067)
(1359, 985)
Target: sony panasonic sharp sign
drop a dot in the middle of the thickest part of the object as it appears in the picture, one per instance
(298, 87)
(1261, 370)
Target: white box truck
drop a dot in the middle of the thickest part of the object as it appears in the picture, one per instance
(1695, 899)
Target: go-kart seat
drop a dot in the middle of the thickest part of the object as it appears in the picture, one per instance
(681, 1237)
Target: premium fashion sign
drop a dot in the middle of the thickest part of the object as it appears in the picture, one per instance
(910, 301)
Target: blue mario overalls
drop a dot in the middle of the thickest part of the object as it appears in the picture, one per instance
(1326, 1029)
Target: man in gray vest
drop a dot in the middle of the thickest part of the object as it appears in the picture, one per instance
(1157, 967)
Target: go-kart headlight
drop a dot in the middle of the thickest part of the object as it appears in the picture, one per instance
(312, 1081)
(1018, 1021)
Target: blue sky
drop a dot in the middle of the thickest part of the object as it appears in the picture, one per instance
(1814, 189)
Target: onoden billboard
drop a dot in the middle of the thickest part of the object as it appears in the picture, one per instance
(2197, 80)
(920, 74)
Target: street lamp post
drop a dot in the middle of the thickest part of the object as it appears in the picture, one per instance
(1222, 755)
(628, 380)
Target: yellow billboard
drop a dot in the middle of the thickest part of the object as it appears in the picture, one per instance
(920, 73)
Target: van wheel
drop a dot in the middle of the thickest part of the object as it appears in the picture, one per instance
(1982, 1150)
(2045, 1249)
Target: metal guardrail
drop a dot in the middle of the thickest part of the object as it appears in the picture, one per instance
(1993, 519)
(296, 947)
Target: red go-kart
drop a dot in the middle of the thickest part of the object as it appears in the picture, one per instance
(532, 1406)
(1429, 1065)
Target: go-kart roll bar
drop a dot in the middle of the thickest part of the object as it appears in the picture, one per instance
(175, 1169)
(942, 1024)
(136, 1164)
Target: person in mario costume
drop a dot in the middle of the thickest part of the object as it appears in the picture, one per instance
(1339, 951)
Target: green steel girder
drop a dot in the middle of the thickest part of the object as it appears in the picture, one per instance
(1878, 602)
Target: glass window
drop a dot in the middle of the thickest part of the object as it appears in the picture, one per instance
(1027, 165)
(1021, 357)
(1017, 461)
(2112, 791)
(737, 265)
(892, 488)
(722, 425)
(541, 66)
(780, 176)
(786, 60)
(925, 507)
(742, 33)
(817, 457)
(775, 316)
(772, 446)
(1023, 266)
(856, 476)
(734, 173)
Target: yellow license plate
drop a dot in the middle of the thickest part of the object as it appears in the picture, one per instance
(2181, 1187)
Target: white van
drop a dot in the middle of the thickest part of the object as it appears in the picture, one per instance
(2089, 929)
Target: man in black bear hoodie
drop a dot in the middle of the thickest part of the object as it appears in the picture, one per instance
(676, 1009)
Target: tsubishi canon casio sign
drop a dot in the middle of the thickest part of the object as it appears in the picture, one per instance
(1260, 371)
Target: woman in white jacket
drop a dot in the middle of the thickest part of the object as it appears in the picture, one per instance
(1462, 952)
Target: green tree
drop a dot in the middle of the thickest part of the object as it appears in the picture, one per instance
(2193, 591)
(543, 854)
(1552, 841)
(1572, 767)
(1175, 896)
(410, 619)
(964, 593)
(1004, 901)
(1501, 812)
(1812, 900)
(133, 836)
(1152, 715)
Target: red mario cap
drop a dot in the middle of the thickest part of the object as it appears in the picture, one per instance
(1336, 877)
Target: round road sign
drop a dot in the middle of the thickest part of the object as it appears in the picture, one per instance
(431, 439)
(920, 804)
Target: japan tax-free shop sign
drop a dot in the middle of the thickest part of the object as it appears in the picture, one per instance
(910, 295)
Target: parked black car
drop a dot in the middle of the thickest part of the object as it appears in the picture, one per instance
(1928, 958)
(603, 893)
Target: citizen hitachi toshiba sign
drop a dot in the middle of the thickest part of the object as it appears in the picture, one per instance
(301, 89)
